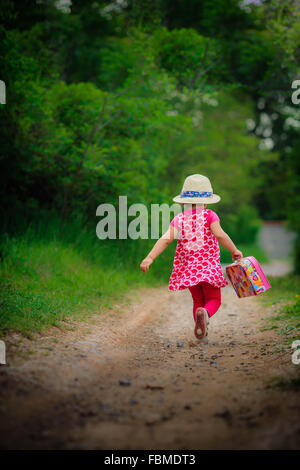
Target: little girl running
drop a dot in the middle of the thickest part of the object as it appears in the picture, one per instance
(197, 257)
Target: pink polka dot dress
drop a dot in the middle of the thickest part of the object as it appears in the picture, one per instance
(197, 256)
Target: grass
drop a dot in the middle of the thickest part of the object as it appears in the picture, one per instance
(284, 297)
(45, 279)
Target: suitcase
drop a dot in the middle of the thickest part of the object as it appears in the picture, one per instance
(247, 277)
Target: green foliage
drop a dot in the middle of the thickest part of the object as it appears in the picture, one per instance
(117, 59)
(283, 21)
(293, 201)
(243, 224)
(82, 127)
(188, 56)
(254, 58)
(219, 18)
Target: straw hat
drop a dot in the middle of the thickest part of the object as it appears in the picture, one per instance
(197, 189)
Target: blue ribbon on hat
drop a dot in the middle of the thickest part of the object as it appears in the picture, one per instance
(196, 194)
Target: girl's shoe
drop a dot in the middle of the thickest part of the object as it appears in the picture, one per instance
(201, 323)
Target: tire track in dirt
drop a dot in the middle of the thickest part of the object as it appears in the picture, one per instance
(135, 377)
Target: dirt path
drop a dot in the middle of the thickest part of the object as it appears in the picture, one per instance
(64, 390)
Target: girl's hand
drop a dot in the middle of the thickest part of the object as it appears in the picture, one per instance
(146, 263)
(237, 254)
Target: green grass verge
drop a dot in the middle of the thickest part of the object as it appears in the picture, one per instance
(44, 283)
(44, 280)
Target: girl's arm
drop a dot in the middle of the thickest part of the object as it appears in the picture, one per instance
(225, 240)
(158, 248)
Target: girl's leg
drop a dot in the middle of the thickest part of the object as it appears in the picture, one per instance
(198, 298)
(212, 298)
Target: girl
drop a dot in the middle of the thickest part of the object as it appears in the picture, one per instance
(197, 257)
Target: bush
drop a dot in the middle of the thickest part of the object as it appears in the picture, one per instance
(243, 226)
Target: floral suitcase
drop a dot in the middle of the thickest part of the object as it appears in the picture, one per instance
(247, 277)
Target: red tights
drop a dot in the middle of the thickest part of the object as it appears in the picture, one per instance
(207, 296)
